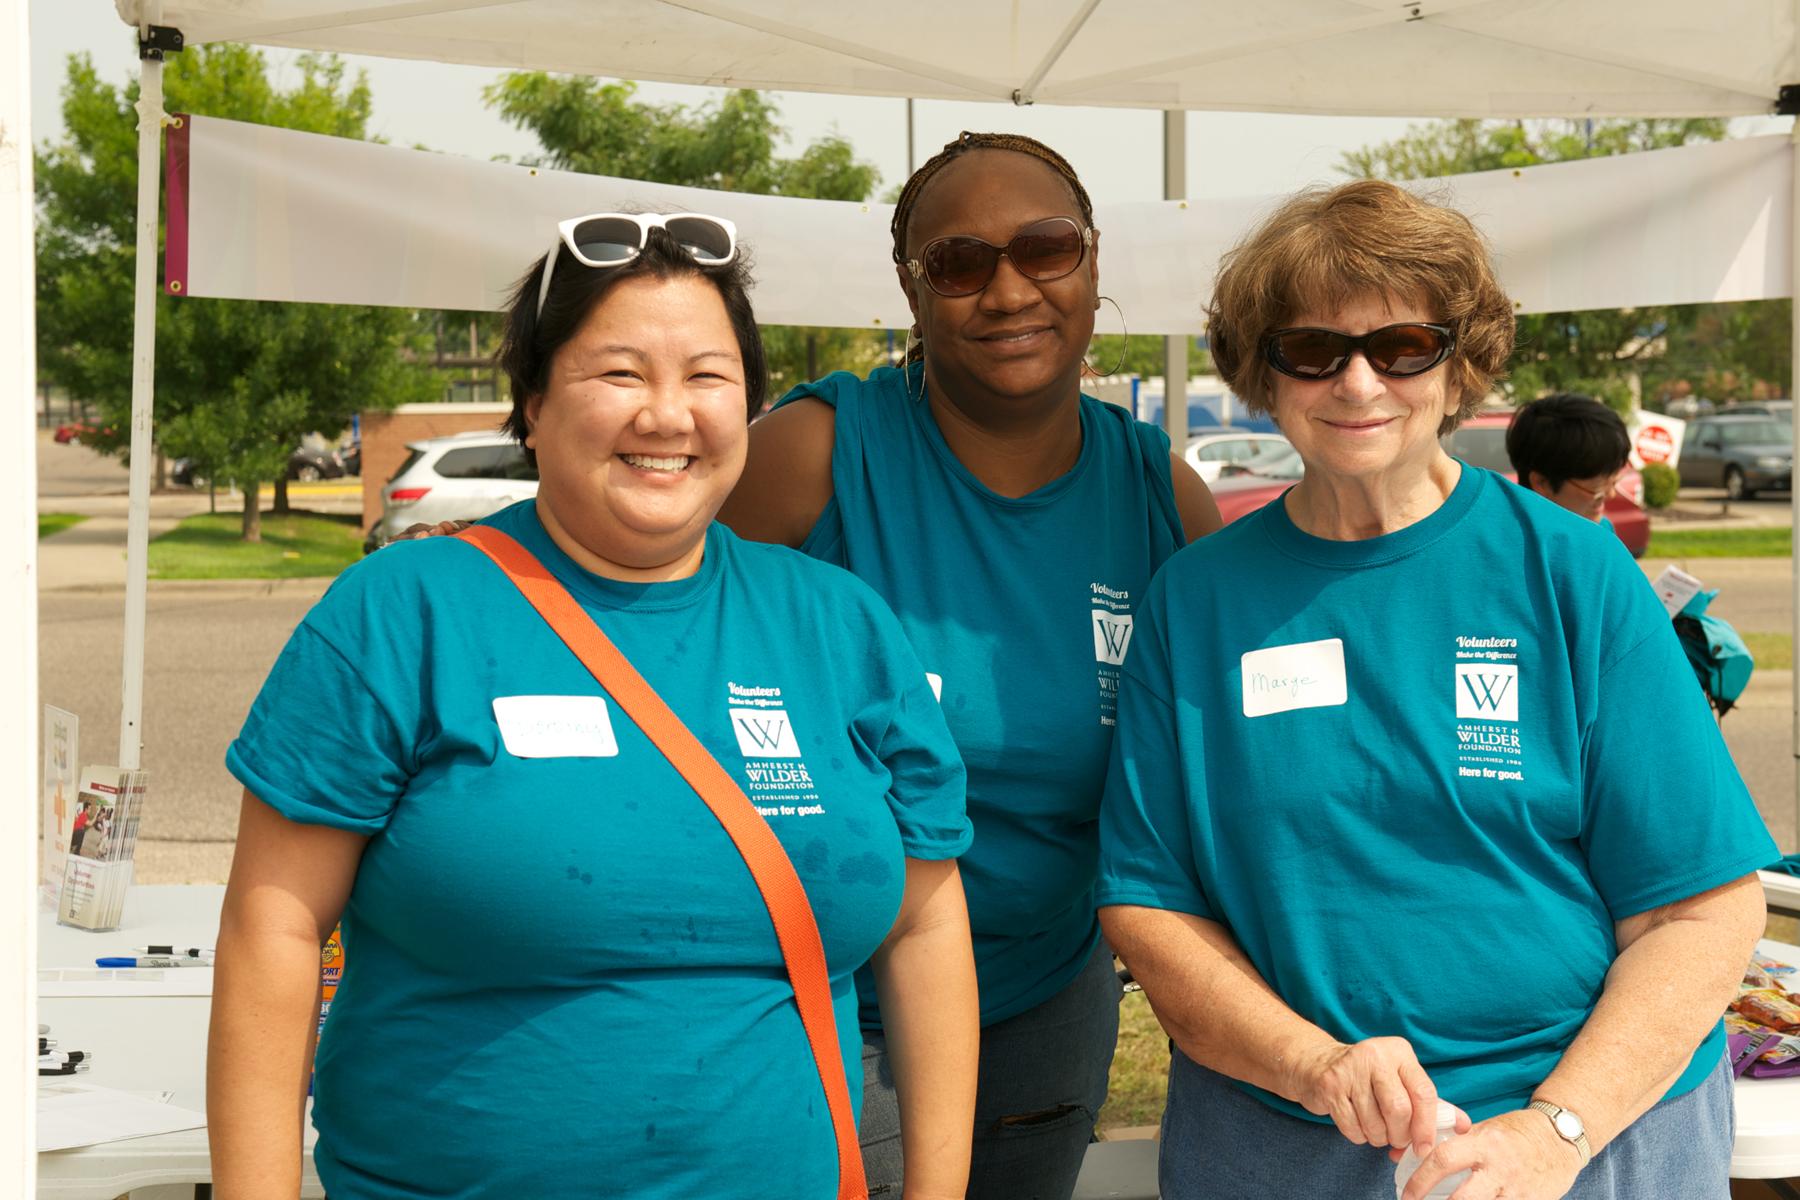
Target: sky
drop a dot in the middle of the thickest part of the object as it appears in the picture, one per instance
(1117, 152)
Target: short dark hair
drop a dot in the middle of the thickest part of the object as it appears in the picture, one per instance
(532, 338)
(1564, 437)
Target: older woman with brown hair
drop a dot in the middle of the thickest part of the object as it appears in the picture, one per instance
(1412, 798)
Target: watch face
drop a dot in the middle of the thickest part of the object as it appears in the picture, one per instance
(1569, 1125)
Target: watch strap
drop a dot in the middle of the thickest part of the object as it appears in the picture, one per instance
(1579, 1141)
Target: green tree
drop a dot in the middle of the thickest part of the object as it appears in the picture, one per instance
(237, 382)
(602, 128)
(1725, 347)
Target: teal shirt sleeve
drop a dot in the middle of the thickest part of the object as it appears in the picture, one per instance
(928, 795)
(1665, 813)
(1147, 843)
(325, 743)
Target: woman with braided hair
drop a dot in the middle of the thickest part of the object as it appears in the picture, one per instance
(1013, 524)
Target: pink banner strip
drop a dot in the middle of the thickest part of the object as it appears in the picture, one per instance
(175, 180)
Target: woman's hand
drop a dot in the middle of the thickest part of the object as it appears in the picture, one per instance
(1517, 1155)
(1374, 1091)
(422, 530)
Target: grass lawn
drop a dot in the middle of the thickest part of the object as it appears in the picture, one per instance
(1768, 541)
(49, 523)
(297, 545)
(1140, 1068)
(1772, 651)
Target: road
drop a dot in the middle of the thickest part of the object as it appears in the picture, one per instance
(210, 645)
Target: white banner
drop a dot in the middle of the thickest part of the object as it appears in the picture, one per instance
(276, 215)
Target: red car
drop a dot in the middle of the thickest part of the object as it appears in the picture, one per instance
(1480, 441)
(75, 431)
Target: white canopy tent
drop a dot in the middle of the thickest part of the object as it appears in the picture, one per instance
(1477, 58)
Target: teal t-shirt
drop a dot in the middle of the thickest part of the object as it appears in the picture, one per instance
(560, 979)
(1476, 746)
(1021, 609)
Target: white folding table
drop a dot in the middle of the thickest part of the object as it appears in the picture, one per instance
(150, 1043)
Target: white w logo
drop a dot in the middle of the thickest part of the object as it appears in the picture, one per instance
(1112, 636)
(1487, 691)
(764, 733)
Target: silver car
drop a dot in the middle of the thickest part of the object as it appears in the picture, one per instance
(463, 477)
(1743, 455)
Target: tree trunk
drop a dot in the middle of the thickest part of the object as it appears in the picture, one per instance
(162, 470)
(280, 505)
(253, 511)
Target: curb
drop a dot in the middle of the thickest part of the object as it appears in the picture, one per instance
(314, 584)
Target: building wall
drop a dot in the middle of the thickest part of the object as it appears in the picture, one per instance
(386, 434)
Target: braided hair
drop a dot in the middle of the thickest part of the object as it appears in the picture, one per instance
(965, 142)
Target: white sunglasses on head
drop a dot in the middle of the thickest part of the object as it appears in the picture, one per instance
(614, 239)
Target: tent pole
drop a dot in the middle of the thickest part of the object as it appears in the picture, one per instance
(1175, 346)
(1794, 381)
(143, 401)
(18, 551)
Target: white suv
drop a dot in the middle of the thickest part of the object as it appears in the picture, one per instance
(463, 477)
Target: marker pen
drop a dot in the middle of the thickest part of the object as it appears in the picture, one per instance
(153, 961)
(177, 951)
(65, 1069)
(45, 1044)
(57, 1058)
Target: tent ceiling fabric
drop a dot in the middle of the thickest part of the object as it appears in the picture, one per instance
(1504, 58)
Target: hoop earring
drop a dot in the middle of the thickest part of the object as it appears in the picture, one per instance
(915, 348)
(1124, 349)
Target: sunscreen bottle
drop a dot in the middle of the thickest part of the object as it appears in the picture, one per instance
(1446, 1129)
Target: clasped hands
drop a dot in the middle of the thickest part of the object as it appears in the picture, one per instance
(1377, 1094)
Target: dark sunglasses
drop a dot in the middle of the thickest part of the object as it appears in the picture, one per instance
(1398, 351)
(1042, 251)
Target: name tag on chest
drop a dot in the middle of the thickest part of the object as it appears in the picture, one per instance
(555, 726)
(1303, 675)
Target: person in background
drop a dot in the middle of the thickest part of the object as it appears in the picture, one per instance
(1013, 524)
(1389, 820)
(594, 1006)
(1570, 449)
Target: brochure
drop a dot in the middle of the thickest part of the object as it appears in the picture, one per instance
(62, 746)
(102, 842)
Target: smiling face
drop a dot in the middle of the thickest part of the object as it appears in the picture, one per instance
(641, 431)
(1360, 424)
(1018, 340)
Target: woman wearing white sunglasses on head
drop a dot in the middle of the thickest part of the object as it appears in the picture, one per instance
(652, 995)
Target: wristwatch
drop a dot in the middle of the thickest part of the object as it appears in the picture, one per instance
(1568, 1126)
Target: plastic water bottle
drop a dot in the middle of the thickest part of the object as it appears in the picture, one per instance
(1446, 1129)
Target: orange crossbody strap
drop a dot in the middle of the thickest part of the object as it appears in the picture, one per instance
(795, 929)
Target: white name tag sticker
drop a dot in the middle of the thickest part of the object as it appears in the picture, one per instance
(937, 685)
(1303, 675)
(555, 726)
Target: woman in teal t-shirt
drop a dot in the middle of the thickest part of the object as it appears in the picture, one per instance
(1413, 798)
(560, 979)
(1012, 524)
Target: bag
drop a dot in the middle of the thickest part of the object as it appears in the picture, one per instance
(795, 929)
(1720, 659)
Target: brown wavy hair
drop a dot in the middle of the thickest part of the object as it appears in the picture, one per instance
(1324, 248)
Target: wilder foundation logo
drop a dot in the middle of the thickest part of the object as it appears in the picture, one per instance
(1487, 692)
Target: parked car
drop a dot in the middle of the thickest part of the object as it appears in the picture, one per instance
(1742, 454)
(75, 431)
(1231, 452)
(463, 477)
(1480, 441)
(1779, 409)
(309, 464)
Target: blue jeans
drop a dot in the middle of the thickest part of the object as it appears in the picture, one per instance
(1042, 1082)
(1220, 1143)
